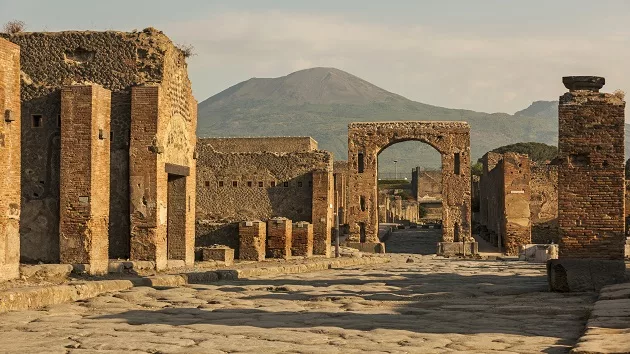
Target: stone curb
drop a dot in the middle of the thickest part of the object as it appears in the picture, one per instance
(32, 298)
(37, 297)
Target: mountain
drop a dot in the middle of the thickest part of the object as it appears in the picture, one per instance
(320, 102)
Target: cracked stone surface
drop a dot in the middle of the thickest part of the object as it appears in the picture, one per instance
(430, 305)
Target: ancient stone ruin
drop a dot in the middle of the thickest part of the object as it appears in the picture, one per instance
(367, 140)
(591, 208)
(108, 126)
(249, 179)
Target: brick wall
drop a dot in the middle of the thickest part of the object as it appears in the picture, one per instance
(84, 179)
(591, 175)
(340, 172)
(544, 204)
(117, 61)
(263, 144)
(9, 160)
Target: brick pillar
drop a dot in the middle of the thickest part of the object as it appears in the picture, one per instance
(279, 234)
(10, 165)
(590, 187)
(84, 177)
(252, 236)
(302, 243)
(322, 213)
(148, 217)
(516, 194)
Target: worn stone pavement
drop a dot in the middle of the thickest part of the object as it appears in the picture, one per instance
(430, 305)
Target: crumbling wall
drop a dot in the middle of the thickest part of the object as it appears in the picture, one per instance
(591, 173)
(9, 160)
(264, 144)
(117, 61)
(340, 173)
(234, 187)
(544, 204)
(504, 196)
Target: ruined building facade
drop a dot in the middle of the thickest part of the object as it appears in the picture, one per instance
(248, 179)
(504, 201)
(125, 101)
(10, 153)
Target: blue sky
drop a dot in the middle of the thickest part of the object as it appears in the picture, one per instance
(485, 55)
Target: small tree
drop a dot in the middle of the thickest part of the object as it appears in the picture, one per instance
(13, 27)
(187, 50)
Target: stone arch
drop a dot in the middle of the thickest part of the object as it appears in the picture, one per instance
(367, 140)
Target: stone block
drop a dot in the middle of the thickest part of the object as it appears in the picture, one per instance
(252, 238)
(367, 247)
(538, 253)
(45, 271)
(570, 275)
(218, 253)
(450, 249)
(302, 243)
(279, 235)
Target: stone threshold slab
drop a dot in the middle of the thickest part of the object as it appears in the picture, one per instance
(37, 297)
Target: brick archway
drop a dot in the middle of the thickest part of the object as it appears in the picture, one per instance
(367, 140)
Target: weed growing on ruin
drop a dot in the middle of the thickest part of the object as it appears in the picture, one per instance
(13, 27)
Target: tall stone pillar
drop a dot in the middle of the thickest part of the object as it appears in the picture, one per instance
(10, 160)
(322, 212)
(84, 177)
(590, 187)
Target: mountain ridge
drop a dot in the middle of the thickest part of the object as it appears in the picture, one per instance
(320, 102)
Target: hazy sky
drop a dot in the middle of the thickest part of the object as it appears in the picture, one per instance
(485, 55)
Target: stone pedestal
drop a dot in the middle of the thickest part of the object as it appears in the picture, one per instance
(451, 249)
(252, 236)
(279, 232)
(566, 275)
(302, 243)
(218, 253)
(367, 247)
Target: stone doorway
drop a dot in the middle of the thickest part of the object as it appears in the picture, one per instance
(176, 217)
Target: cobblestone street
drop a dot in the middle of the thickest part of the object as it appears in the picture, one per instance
(425, 306)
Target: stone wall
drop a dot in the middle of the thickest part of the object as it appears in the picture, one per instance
(504, 197)
(544, 204)
(591, 173)
(264, 144)
(340, 173)
(242, 186)
(117, 61)
(9, 160)
(426, 185)
(366, 140)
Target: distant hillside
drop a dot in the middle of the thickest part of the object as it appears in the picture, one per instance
(320, 102)
(537, 152)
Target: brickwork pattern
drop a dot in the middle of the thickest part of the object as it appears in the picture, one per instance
(450, 139)
(117, 61)
(223, 254)
(279, 234)
(10, 156)
(340, 173)
(591, 175)
(252, 240)
(263, 144)
(84, 179)
(302, 239)
(233, 187)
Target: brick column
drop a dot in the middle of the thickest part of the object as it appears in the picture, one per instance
(252, 236)
(148, 217)
(279, 234)
(10, 162)
(84, 177)
(515, 190)
(590, 187)
(322, 212)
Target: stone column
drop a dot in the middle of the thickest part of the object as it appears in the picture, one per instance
(322, 212)
(10, 160)
(590, 187)
(84, 177)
